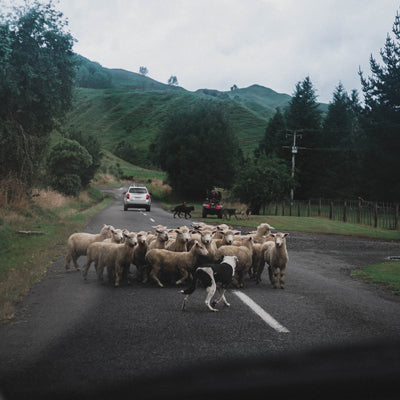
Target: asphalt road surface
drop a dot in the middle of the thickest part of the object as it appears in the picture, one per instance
(325, 335)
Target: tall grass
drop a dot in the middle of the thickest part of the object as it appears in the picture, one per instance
(24, 258)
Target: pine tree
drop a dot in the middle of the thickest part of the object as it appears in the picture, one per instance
(340, 142)
(303, 115)
(274, 137)
(381, 121)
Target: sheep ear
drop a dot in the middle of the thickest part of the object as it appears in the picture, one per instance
(285, 234)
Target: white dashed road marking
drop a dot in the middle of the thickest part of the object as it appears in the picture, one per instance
(273, 323)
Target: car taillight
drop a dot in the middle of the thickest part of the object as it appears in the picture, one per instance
(127, 195)
(207, 206)
(147, 196)
(218, 207)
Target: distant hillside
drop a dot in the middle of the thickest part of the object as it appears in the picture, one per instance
(117, 105)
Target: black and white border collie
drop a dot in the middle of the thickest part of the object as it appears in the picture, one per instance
(213, 276)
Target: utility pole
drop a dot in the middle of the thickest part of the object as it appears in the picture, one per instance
(296, 134)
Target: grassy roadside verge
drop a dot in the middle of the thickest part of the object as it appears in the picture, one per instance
(24, 258)
(385, 274)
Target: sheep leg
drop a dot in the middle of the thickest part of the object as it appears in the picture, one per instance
(100, 270)
(185, 274)
(185, 300)
(274, 280)
(67, 261)
(260, 271)
(75, 261)
(240, 279)
(153, 274)
(145, 273)
(235, 281)
(270, 274)
(117, 274)
(282, 278)
(125, 273)
(86, 268)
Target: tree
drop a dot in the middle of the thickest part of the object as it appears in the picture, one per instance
(143, 71)
(303, 115)
(92, 145)
(340, 145)
(274, 137)
(381, 121)
(173, 80)
(36, 82)
(67, 166)
(197, 149)
(262, 180)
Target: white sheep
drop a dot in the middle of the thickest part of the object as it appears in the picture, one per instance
(276, 256)
(244, 254)
(139, 254)
(117, 236)
(262, 234)
(78, 243)
(117, 257)
(170, 261)
(181, 240)
(159, 239)
(94, 250)
(220, 229)
(206, 238)
(228, 236)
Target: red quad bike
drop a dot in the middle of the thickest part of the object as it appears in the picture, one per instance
(212, 208)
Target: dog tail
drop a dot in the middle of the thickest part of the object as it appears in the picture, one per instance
(192, 287)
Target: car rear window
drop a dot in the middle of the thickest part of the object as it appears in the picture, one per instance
(137, 190)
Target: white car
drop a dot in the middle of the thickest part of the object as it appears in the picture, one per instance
(137, 196)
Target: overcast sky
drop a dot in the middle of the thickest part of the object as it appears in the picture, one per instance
(217, 43)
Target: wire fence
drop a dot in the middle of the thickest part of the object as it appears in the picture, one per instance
(377, 214)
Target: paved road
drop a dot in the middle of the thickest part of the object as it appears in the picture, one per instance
(72, 337)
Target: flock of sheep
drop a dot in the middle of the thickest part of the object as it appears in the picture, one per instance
(173, 254)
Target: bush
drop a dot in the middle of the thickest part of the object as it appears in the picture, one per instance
(68, 163)
(69, 184)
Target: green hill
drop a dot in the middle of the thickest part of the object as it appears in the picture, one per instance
(117, 105)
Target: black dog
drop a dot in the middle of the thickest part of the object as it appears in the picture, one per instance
(178, 210)
(228, 212)
(213, 276)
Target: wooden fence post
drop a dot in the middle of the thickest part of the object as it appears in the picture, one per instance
(276, 208)
(309, 208)
(283, 208)
(359, 212)
(376, 215)
(298, 209)
(319, 208)
(345, 211)
(330, 209)
(396, 217)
